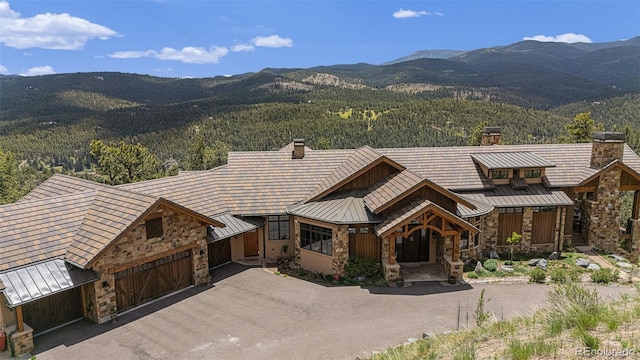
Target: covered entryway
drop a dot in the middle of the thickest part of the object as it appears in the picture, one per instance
(219, 252)
(53, 310)
(251, 247)
(414, 247)
(151, 280)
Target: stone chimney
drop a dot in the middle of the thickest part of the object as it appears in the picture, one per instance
(298, 149)
(491, 136)
(607, 147)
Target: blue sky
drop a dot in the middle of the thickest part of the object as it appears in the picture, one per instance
(178, 38)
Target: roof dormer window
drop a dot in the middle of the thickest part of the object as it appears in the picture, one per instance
(499, 174)
(532, 174)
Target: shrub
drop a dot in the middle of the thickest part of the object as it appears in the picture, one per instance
(563, 276)
(473, 275)
(357, 266)
(490, 264)
(575, 306)
(538, 275)
(604, 276)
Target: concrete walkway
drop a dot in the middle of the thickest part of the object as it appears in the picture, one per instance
(594, 257)
(251, 314)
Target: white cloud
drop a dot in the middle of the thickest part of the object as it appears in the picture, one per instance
(438, 13)
(404, 14)
(39, 70)
(48, 31)
(4, 70)
(242, 47)
(273, 41)
(188, 55)
(565, 38)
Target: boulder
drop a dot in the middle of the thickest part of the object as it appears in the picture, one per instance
(593, 266)
(582, 262)
(554, 256)
(616, 257)
(494, 255)
(479, 268)
(533, 262)
(625, 266)
(507, 268)
(542, 264)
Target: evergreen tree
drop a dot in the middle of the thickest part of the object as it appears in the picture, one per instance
(582, 128)
(9, 185)
(124, 163)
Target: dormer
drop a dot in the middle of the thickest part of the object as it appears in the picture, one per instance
(517, 169)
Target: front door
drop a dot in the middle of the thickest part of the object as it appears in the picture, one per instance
(413, 248)
(251, 244)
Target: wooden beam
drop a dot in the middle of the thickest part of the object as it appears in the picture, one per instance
(635, 210)
(152, 258)
(392, 250)
(19, 319)
(455, 253)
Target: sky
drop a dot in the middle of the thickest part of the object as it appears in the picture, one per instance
(200, 38)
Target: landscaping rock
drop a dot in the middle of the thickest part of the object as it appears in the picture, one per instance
(593, 266)
(582, 262)
(533, 262)
(554, 256)
(542, 264)
(479, 268)
(507, 268)
(624, 266)
(616, 257)
(494, 255)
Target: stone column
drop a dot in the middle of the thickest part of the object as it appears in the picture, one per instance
(604, 223)
(489, 235)
(21, 341)
(296, 239)
(635, 241)
(527, 227)
(340, 249)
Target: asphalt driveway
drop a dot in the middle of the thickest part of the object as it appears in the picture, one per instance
(251, 314)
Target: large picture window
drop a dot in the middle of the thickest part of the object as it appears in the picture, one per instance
(279, 227)
(315, 238)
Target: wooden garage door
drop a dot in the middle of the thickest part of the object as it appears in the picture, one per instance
(151, 280)
(219, 252)
(53, 310)
(508, 222)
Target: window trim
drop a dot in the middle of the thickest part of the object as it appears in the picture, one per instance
(324, 237)
(284, 232)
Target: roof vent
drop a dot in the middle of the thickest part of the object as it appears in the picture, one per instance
(298, 149)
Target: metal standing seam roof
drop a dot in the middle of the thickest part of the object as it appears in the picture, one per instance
(29, 283)
(234, 226)
(511, 160)
(409, 211)
(534, 195)
(341, 208)
(481, 208)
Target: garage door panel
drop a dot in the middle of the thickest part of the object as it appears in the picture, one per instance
(142, 283)
(67, 307)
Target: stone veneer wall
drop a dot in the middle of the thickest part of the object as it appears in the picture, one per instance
(603, 214)
(179, 230)
(604, 152)
(340, 249)
(527, 228)
(489, 235)
(296, 240)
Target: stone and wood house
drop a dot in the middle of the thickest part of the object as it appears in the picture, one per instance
(93, 251)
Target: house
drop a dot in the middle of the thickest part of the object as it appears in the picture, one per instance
(100, 250)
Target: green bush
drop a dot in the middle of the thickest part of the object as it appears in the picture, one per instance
(357, 266)
(490, 264)
(538, 275)
(563, 276)
(604, 276)
(473, 275)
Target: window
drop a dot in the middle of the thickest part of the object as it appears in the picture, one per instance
(537, 209)
(510, 210)
(315, 238)
(279, 227)
(464, 240)
(532, 174)
(364, 230)
(353, 230)
(154, 228)
(499, 174)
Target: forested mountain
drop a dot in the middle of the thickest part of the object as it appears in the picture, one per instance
(530, 89)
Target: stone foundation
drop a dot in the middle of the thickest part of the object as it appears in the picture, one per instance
(391, 272)
(21, 342)
(452, 268)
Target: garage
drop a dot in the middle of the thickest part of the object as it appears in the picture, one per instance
(67, 305)
(151, 280)
(219, 252)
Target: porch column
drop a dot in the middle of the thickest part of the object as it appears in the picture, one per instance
(19, 320)
(455, 252)
(392, 251)
(635, 210)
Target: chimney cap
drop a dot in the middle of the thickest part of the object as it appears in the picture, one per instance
(298, 141)
(609, 136)
(491, 130)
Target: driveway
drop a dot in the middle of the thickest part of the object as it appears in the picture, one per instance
(251, 314)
